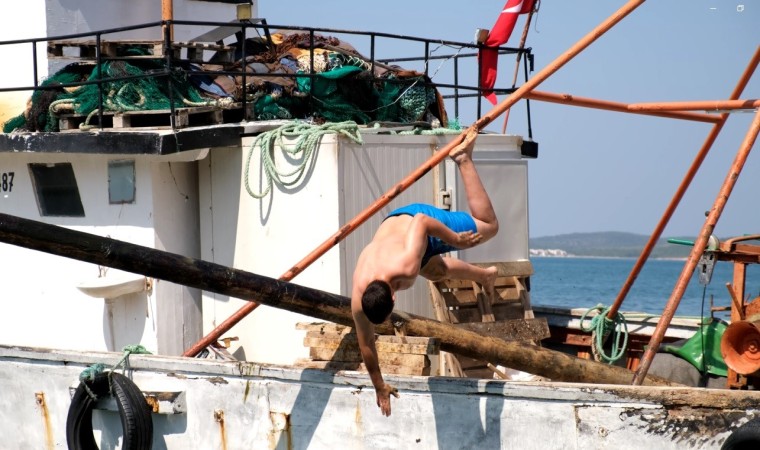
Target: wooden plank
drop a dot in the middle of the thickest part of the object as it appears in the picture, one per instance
(505, 281)
(462, 297)
(113, 49)
(510, 268)
(360, 367)
(349, 341)
(325, 327)
(342, 354)
(426, 342)
(449, 365)
(504, 311)
(511, 330)
(484, 303)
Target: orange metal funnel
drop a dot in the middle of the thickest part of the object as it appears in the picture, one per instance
(740, 347)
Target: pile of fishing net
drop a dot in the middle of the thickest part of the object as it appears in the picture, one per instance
(344, 86)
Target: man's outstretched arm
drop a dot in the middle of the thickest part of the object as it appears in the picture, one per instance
(365, 333)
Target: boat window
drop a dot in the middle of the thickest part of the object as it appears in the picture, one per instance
(121, 181)
(56, 190)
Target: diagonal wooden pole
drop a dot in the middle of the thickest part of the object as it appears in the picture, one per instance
(574, 100)
(687, 179)
(418, 173)
(705, 105)
(699, 247)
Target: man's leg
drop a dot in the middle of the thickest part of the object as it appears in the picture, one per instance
(477, 197)
(440, 267)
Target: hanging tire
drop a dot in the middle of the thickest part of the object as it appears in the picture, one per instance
(746, 437)
(134, 411)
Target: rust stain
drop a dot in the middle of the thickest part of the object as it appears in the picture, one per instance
(219, 418)
(40, 399)
(152, 402)
(247, 390)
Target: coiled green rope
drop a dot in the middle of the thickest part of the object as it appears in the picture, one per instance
(600, 327)
(300, 153)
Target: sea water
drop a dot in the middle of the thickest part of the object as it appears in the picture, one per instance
(587, 282)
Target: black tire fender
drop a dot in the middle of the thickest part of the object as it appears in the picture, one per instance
(746, 437)
(134, 411)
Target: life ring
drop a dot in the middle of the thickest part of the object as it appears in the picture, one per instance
(135, 413)
(746, 436)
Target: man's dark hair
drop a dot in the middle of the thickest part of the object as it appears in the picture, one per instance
(377, 301)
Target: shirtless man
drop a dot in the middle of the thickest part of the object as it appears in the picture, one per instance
(409, 243)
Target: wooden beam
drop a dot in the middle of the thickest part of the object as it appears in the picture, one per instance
(299, 299)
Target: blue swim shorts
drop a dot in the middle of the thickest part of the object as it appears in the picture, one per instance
(456, 221)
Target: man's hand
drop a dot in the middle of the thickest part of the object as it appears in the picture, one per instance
(384, 398)
(467, 239)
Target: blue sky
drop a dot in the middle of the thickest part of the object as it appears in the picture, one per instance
(597, 170)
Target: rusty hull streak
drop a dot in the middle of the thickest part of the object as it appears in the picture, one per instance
(219, 418)
(153, 403)
(40, 400)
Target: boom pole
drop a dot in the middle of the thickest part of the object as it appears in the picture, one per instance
(299, 299)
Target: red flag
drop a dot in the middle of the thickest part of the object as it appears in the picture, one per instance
(499, 35)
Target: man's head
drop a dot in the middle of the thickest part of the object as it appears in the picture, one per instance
(377, 301)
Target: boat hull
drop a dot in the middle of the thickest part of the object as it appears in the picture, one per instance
(234, 404)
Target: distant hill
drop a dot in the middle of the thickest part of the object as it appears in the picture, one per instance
(610, 244)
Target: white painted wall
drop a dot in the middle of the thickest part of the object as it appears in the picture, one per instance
(42, 305)
(69, 17)
(267, 237)
(175, 214)
(505, 176)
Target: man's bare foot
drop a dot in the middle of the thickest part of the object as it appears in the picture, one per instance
(489, 282)
(463, 151)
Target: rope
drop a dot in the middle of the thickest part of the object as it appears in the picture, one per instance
(91, 372)
(128, 350)
(600, 328)
(300, 153)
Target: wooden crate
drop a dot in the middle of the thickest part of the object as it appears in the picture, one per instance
(86, 50)
(508, 315)
(161, 118)
(335, 347)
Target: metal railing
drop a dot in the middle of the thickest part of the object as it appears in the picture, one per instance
(454, 85)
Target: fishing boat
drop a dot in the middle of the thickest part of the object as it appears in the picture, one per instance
(160, 190)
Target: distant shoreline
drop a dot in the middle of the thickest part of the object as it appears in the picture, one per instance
(569, 256)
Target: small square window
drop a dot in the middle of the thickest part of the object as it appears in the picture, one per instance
(56, 189)
(121, 181)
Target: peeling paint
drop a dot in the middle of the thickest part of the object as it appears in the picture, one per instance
(687, 426)
(280, 423)
(217, 380)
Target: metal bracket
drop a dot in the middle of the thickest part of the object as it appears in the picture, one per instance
(706, 266)
(444, 199)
